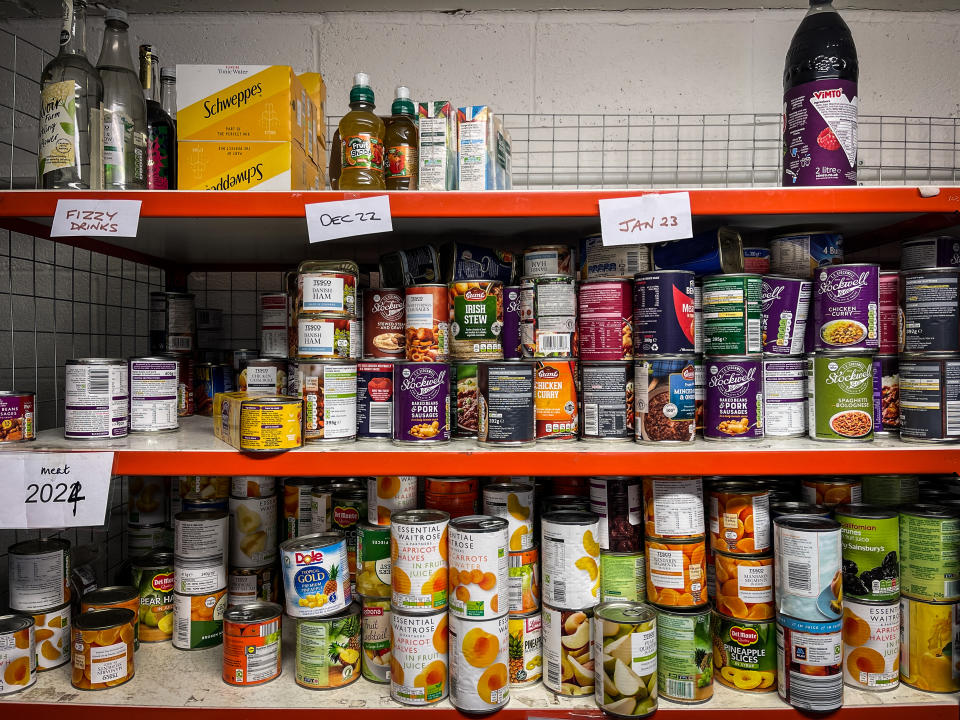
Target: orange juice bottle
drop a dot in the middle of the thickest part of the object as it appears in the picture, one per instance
(402, 141)
(361, 140)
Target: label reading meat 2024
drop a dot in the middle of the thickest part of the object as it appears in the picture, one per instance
(820, 134)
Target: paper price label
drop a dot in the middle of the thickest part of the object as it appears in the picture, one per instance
(100, 218)
(54, 490)
(346, 218)
(646, 219)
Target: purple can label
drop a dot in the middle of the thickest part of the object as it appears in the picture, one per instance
(510, 335)
(889, 313)
(16, 418)
(734, 399)
(421, 404)
(663, 313)
(784, 303)
(846, 307)
(820, 134)
(374, 400)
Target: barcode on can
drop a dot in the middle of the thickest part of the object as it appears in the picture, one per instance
(591, 419)
(799, 576)
(753, 336)
(559, 592)
(381, 418)
(682, 689)
(99, 382)
(819, 694)
(953, 417)
(553, 673)
(553, 343)
(180, 342)
(951, 588)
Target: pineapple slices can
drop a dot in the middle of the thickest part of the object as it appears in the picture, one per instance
(525, 649)
(316, 578)
(625, 658)
(328, 650)
(478, 663)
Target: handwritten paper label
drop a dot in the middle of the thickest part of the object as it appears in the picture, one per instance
(646, 219)
(346, 218)
(54, 490)
(101, 218)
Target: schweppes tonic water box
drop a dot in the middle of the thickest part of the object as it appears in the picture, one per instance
(246, 166)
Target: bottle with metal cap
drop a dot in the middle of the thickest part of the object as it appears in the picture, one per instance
(168, 91)
(402, 141)
(361, 140)
(161, 133)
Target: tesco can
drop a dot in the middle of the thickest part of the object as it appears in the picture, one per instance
(605, 316)
(38, 574)
(18, 661)
(97, 398)
(329, 391)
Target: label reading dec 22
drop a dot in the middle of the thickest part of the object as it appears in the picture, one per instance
(646, 219)
(346, 218)
(55, 490)
(110, 218)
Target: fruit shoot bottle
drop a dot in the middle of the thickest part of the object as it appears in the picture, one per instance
(361, 140)
(402, 141)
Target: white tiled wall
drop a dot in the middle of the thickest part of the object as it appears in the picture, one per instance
(237, 296)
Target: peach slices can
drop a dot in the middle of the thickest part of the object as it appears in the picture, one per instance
(418, 560)
(478, 663)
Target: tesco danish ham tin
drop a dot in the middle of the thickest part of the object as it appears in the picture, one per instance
(478, 566)
(663, 312)
(328, 286)
(799, 255)
(418, 560)
(479, 652)
(609, 400)
(253, 531)
(421, 408)
(846, 307)
(666, 399)
(97, 398)
(784, 396)
(316, 578)
(418, 663)
(329, 391)
(542, 260)
(930, 252)
(17, 416)
(513, 501)
(929, 307)
(605, 319)
(476, 319)
(570, 559)
(102, 649)
(384, 326)
(568, 645)
(374, 400)
(154, 383)
(173, 324)
(840, 397)
(506, 405)
(784, 303)
(510, 337)
(18, 654)
(38, 573)
(807, 650)
(203, 575)
(807, 568)
(200, 534)
(327, 337)
(427, 318)
(733, 407)
(555, 399)
(251, 644)
(731, 314)
(929, 558)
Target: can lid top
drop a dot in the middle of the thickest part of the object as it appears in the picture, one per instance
(863, 510)
(739, 486)
(809, 523)
(39, 546)
(570, 517)
(158, 557)
(312, 541)
(793, 507)
(103, 619)
(418, 516)
(188, 515)
(319, 266)
(479, 523)
(96, 361)
(18, 392)
(110, 595)
(507, 487)
(930, 510)
(13, 622)
(252, 612)
(624, 611)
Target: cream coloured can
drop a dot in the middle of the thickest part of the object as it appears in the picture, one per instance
(479, 681)
(418, 665)
(200, 534)
(513, 501)
(570, 557)
(195, 577)
(479, 572)
(389, 494)
(253, 531)
(568, 651)
(418, 560)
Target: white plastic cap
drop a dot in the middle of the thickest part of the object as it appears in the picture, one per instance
(168, 72)
(361, 79)
(116, 14)
(403, 93)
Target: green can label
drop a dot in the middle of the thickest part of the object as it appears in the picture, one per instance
(623, 577)
(476, 319)
(929, 557)
(684, 656)
(373, 561)
(156, 602)
(745, 653)
(890, 490)
(871, 570)
(328, 651)
(840, 397)
(731, 314)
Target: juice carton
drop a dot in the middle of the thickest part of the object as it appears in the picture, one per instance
(246, 166)
(504, 156)
(477, 142)
(438, 146)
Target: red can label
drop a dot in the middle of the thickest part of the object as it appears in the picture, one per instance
(606, 320)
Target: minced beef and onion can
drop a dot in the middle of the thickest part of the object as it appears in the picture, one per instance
(733, 407)
(840, 402)
(663, 312)
(666, 399)
(421, 407)
(784, 303)
(929, 398)
(846, 307)
(609, 403)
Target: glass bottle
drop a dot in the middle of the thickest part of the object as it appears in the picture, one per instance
(161, 133)
(361, 140)
(402, 141)
(124, 110)
(70, 97)
(168, 91)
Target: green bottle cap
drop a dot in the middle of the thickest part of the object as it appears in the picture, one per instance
(361, 91)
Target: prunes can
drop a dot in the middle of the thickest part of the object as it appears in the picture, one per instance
(870, 538)
(609, 402)
(731, 314)
(928, 648)
(421, 409)
(555, 399)
(666, 399)
(886, 370)
(476, 319)
(929, 306)
(684, 655)
(663, 312)
(510, 336)
(374, 400)
(784, 303)
(840, 397)
(930, 252)
(97, 398)
(745, 653)
(479, 653)
(154, 387)
(506, 411)
(807, 568)
(846, 307)
(464, 399)
(871, 644)
(251, 644)
(784, 396)
(618, 501)
(800, 254)
(930, 398)
(626, 633)
(733, 407)
(890, 313)
(605, 317)
(567, 644)
(929, 554)
(809, 664)
(18, 662)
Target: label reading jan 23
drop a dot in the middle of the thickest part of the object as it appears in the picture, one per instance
(346, 218)
(646, 219)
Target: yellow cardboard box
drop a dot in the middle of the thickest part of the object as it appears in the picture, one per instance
(258, 423)
(246, 166)
(317, 92)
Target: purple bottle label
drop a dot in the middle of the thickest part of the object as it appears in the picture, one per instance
(820, 134)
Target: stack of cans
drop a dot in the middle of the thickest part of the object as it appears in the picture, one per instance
(253, 539)
(173, 336)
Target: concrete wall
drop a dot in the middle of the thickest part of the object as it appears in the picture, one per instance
(566, 62)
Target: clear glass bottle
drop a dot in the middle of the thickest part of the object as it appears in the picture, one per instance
(361, 140)
(124, 110)
(70, 97)
(402, 141)
(161, 133)
(168, 91)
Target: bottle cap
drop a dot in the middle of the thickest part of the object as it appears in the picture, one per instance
(403, 93)
(115, 14)
(169, 72)
(403, 105)
(361, 91)
(361, 80)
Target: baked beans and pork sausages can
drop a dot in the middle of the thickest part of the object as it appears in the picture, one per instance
(173, 324)
(328, 650)
(418, 560)
(116, 596)
(609, 401)
(102, 649)
(930, 252)
(871, 644)
(928, 299)
(18, 654)
(846, 307)
(930, 552)
(556, 391)
(327, 286)
(479, 572)
(316, 576)
(200, 534)
(684, 655)
(928, 647)
(327, 337)
(97, 399)
(251, 644)
(479, 653)
(570, 559)
(510, 337)
(745, 653)
(154, 387)
(930, 398)
(889, 318)
(733, 407)
(374, 400)
(784, 303)
(476, 319)
(666, 399)
(800, 254)
(784, 396)
(809, 663)
(421, 405)
(870, 539)
(548, 316)
(38, 574)
(605, 316)
(809, 580)
(418, 663)
(464, 399)
(427, 318)
(731, 314)
(384, 326)
(663, 312)
(840, 397)
(17, 416)
(740, 518)
(548, 260)
(329, 391)
(506, 406)
(513, 501)
(568, 639)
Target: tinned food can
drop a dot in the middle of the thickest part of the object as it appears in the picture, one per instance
(800, 254)
(38, 574)
(570, 555)
(97, 398)
(609, 401)
(18, 659)
(623, 576)
(605, 316)
(210, 379)
(547, 260)
(273, 324)
(316, 578)
(250, 486)
(889, 321)
(666, 399)
(510, 337)
(103, 649)
(929, 309)
(745, 653)
(476, 319)
(673, 507)
(810, 649)
(246, 585)
(524, 581)
(807, 568)
(506, 413)
(376, 639)
(418, 560)
(744, 585)
(421, 407)
(846, 307)
(731, 314)
(251, 644)
(871, 644)
(663, 312)
(733, 407)
(784, 396)
(928, 648)
(831, 491)
(326, 336)
(387, 494)
(198, 619)
(525, 649)
(328, 650)
(52, 635)
(513, 501)
(464, 399)
(618, 503)
(328, 286)
(253, 531)
(329, 391)
(297, 509)
(116, 596)
(568, 651)
(684, 655)
(740, 518)
(427, 323)
(784, 303)
(373, 561)
(677, 573)
(17, 416)
(374, 400)
(418, 664)
(929, 398)
(929, 554)
(263, 376)
(840, 397)
(555, 395)
(200, 534)
(173, 324)
(478, 566)
(930, 252)
(384, 327)
(479, 653)
(870, 538)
